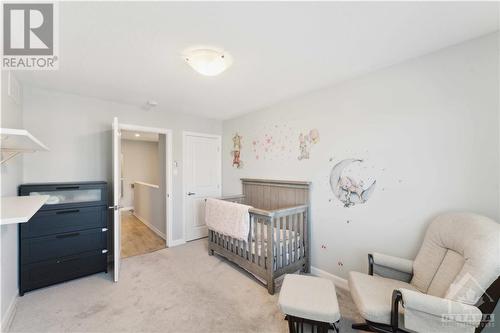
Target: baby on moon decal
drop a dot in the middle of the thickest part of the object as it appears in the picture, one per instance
(348, 190)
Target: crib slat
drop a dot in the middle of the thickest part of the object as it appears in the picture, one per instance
(262, 258)
(257, 241)
(301, 226)
(249, 241)
(283, 252)
(306, 235)
(255, 244)
(278, 242)
(296, 240)
(290, 238)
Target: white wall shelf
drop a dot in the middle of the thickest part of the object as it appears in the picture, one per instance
(20, 209)
(16, 141)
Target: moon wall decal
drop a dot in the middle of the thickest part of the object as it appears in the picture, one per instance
(348, 190)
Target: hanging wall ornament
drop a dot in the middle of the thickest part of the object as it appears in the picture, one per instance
(236, 151)
(348, 189)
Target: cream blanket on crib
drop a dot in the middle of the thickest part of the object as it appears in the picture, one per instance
(228, 218)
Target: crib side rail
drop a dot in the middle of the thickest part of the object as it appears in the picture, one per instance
(291, 240)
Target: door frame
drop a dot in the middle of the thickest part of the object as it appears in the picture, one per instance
(185, 134)
(168, 179)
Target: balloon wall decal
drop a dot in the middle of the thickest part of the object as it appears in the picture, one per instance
(305, 142)
(348, 190)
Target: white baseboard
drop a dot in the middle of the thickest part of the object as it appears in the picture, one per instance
(9, 315)
(176, 242)
(150, 226)
(337, 280)
(126, 208)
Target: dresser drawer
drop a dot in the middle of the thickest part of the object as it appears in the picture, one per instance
(64, 220)
(62, 245)
(49, 272)
(68, 195)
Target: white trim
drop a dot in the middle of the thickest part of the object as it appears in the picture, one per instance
(205, 135)
(137, 128)
(9, 314)
(184, 157)
(168, 179)
(178, 242)
(149, 225)
(337, 280)
(127, 208)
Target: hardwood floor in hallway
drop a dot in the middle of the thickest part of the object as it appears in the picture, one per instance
(137, 238)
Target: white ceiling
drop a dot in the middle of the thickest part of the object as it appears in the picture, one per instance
(132, 52)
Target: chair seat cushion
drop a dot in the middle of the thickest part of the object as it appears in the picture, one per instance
(373, 295)
(309, 297)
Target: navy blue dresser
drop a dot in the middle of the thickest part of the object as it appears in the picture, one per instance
(67, 237)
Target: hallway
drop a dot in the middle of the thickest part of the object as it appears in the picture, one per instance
(137, 238)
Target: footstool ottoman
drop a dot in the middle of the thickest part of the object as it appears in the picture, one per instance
(311, 300)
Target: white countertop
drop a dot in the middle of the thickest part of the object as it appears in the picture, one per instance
(20, 209)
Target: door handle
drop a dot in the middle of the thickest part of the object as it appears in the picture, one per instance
(191, 193)
(115, 207)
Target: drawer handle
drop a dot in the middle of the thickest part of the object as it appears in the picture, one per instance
(67, 187)
(73, 234)
(68, 211)
(62, 261)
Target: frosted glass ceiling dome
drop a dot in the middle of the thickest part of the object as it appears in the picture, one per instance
(208, 62)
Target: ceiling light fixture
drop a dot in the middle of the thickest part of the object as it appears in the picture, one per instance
(208, 62)
(137, 135)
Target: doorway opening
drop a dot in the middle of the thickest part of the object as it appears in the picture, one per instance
(144, 189)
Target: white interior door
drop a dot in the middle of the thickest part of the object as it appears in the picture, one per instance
(116, 198)
(202, 177)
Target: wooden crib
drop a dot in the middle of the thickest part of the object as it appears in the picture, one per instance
(278, 241)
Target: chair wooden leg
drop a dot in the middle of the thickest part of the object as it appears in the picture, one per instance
(270, 286)
(362, 327)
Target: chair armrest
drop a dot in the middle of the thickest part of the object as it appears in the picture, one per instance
(396, 263)
(426, 313)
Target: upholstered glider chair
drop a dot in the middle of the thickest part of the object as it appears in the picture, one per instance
(451, 286)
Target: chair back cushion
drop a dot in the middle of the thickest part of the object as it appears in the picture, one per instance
(459, 258)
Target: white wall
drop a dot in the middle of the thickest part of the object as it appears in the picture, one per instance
(427, 130)
(78, 132)
(148, 208)
(11, 177)
(140, 163)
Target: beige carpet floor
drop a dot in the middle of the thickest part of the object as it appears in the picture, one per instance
(181, 289)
